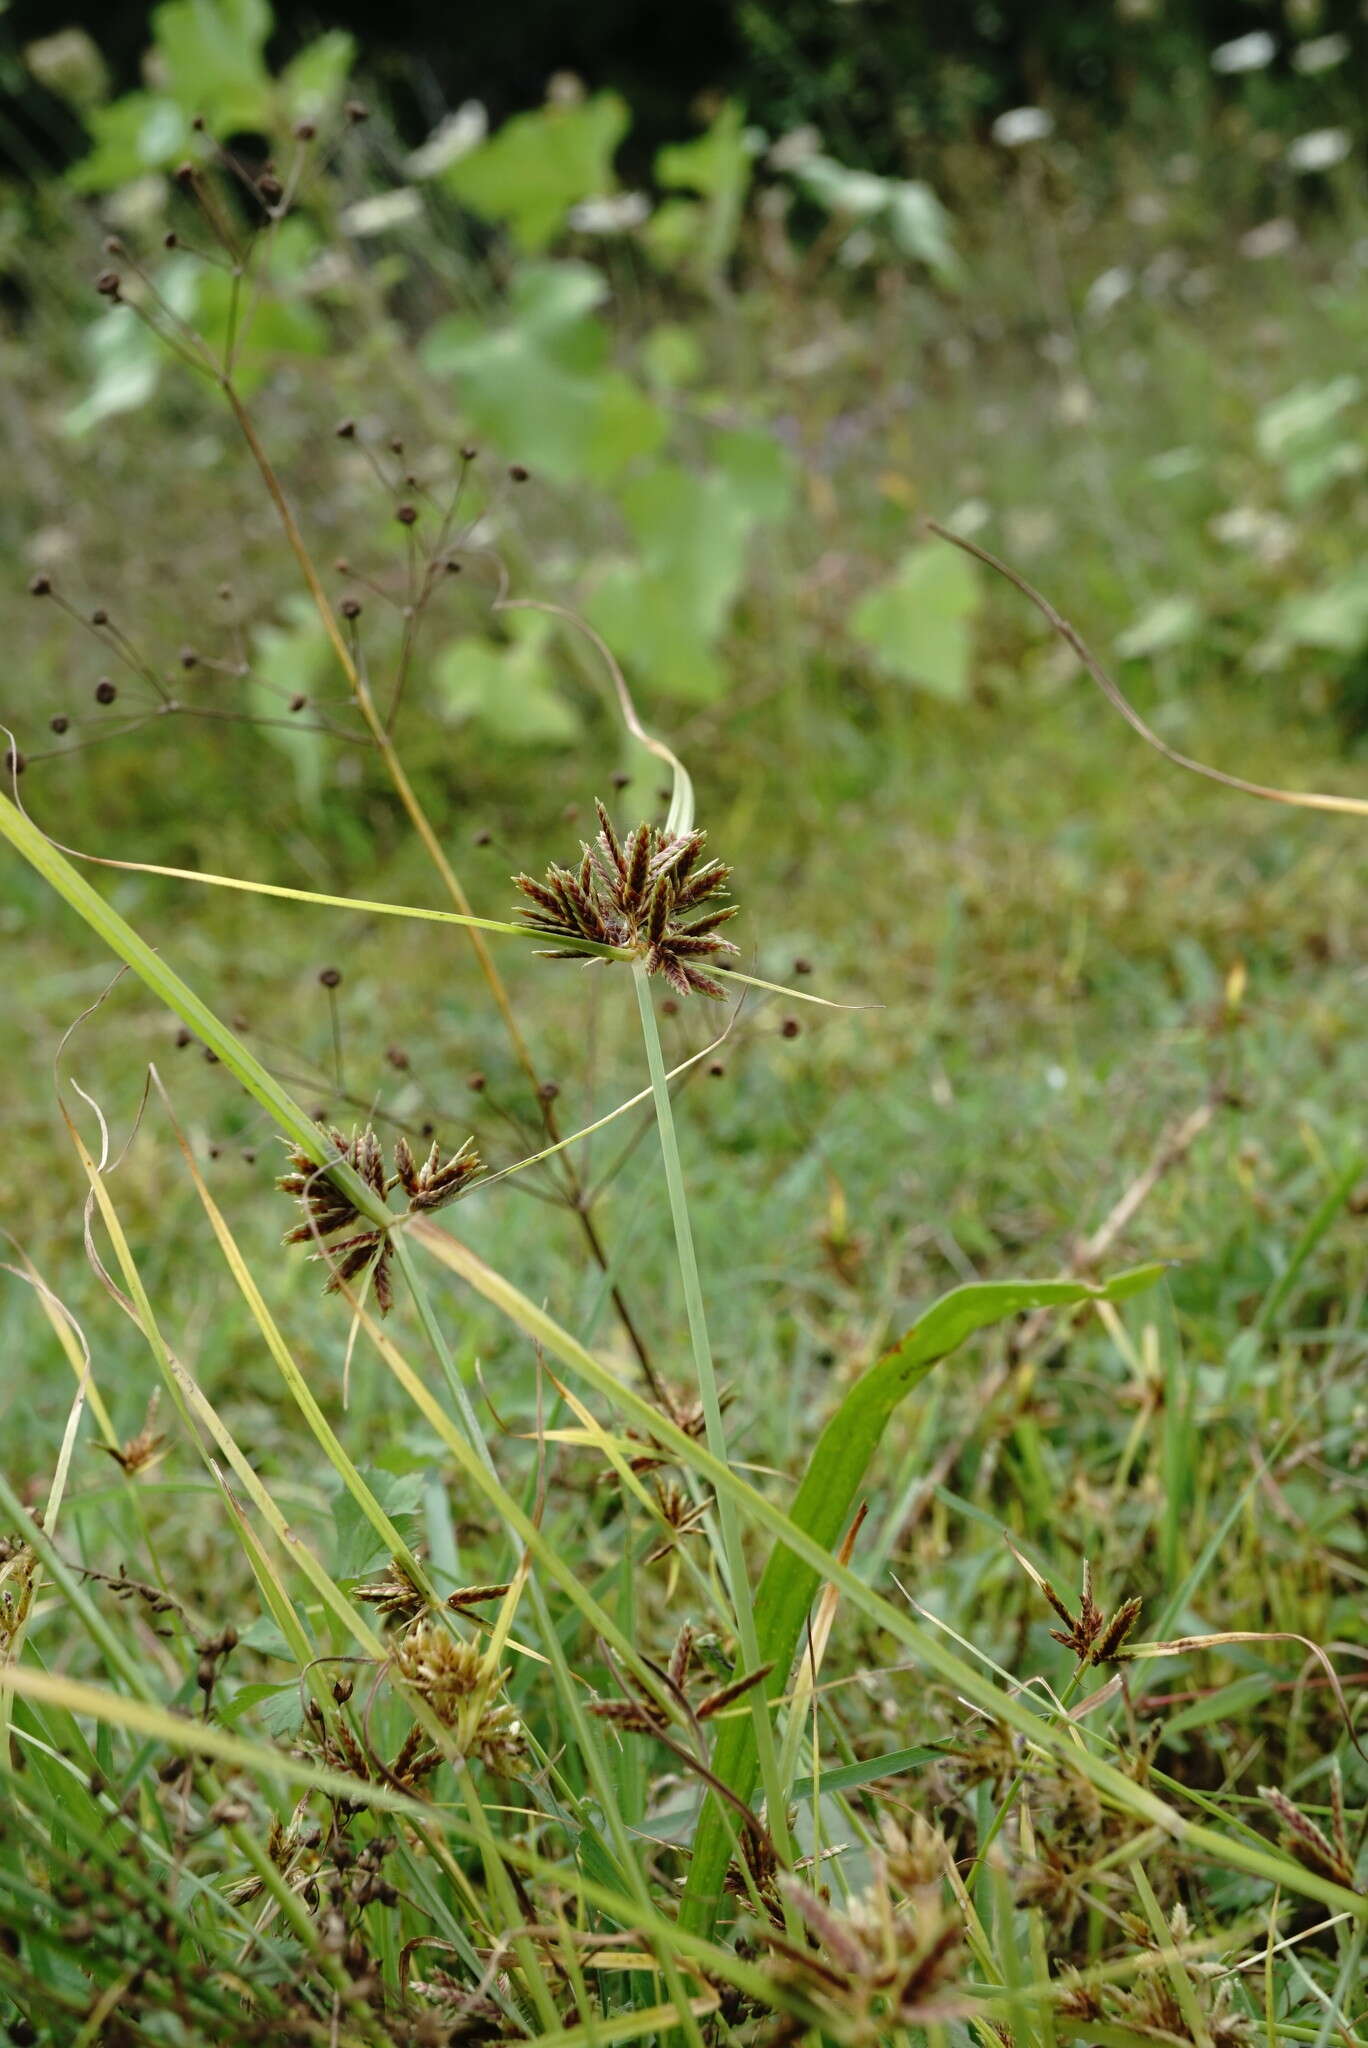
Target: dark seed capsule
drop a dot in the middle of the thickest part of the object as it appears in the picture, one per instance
(517, 473)
(330, 976)
(248, 1156)
(549, 1090)
(40, 586)
(105, 691)
(407, 515)
(350, 607)
(716, 1069)
(15, 763)
(790, 1028)
(59, 722)
(108, 284)
(801, 966)
(475, 1083)
(99, 617)
(211, 1058)
(184, 1035)
(298, 703)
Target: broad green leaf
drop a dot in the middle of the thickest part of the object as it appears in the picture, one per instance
(68, 64)
(648, 622)
(920, 227)
(529, 175)
(1334, 618)
(907, 210)
(917, 623)
(508, 686)
(1169, 622)
(211, 55)
(664, 614)
(717, 166)
(141, 132)
(539, 385)
(823, 1507)
(1303, 414)
(313, 82)
(1304, 433)
(357, 1549)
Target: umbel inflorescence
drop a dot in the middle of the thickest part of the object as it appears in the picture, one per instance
(650, 895)
(328, 1209)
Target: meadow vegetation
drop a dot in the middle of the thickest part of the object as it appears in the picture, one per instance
(811, 1491)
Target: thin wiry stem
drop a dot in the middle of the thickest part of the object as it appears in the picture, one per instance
(432, 846)
(734, 1555)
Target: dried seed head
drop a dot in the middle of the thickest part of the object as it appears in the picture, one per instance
(517, 473)
(395, 1595)
(109, 284)
(459, 1685)
(407, 515)
(40, 586)
(15, 763)
(330, 977)
(105, 691)
(350, 607)
(631, 895)
(59, 722)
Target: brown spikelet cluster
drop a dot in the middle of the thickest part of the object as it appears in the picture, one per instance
(437, 1181)
(641, 1712)
(145, 1448)
(1328, 1855)
(459, 1685)
(351, 1243)
(1094, 1636)
(888, 1961)
(650, 894)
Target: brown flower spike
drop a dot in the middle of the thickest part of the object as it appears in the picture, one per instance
(649, 895)
(328, 1209)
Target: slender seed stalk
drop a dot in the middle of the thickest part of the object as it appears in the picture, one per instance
(577, 1195)
(732, 1548)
